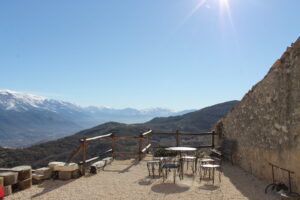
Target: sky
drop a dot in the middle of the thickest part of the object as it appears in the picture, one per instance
(177, 54)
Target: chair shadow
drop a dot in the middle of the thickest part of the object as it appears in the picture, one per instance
(50, 185)
(209, 187)
(169, 188)
(148, 180)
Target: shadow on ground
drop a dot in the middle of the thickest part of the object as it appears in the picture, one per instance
(126, 169)
(169, 188)
(51, 185)
(209, 187)
(250, 186)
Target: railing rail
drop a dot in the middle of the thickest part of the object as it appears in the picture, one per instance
(141, 140)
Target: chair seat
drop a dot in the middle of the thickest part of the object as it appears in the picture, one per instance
(171, 166)
(189, 157)
(153, 161)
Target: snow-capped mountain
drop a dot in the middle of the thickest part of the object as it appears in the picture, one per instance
(26, 119)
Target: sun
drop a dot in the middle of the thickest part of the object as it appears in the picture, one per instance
(224, 3)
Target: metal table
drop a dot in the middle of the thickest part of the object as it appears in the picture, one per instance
(181, 150)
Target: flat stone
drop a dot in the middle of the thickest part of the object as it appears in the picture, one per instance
(67, 167)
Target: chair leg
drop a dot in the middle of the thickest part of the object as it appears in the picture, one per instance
(174, 175)
(159, 169)
(153, 170)
(148, 169)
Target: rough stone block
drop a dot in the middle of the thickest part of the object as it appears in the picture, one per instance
(24, 172)
(45, 171)
(7, 190)
(37, 178)
(9, 177)
(67, 167)
(64, 175)
(75, 173)
(25, 184)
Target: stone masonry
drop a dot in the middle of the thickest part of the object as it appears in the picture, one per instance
(266, 123)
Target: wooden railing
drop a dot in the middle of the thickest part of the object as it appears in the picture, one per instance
(141, 141)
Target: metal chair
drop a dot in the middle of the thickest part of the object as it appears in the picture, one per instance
(171, 165)
(210, 165)
(190, 159)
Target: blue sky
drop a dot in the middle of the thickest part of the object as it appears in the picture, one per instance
(178, 54)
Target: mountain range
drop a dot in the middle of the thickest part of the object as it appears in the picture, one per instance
(26, 119)
(60, 150)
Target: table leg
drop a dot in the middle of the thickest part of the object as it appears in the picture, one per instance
(213, 175)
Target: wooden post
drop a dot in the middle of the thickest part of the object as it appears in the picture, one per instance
(140, 146)
(84, 145)
(177, 138)
(113, 145)
(148, 141)
(213, 139)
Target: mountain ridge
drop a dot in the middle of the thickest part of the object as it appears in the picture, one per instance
(26, 119)
(60, 150)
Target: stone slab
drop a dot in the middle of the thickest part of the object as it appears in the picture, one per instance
(55, 163)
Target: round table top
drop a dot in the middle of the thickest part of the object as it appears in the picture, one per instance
(210, 166)
(181, 149)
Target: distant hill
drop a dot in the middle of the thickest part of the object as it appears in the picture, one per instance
(26, 119)
(61, 149)
(201, 120)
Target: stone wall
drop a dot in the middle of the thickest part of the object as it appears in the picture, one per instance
(266, 123)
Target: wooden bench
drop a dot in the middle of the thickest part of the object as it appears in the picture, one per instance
(226, 150)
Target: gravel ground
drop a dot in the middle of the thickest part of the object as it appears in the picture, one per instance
(129, 180)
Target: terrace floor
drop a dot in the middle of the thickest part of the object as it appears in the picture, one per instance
(128, 179)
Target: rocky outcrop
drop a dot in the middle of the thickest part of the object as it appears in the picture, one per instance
(266, 123)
